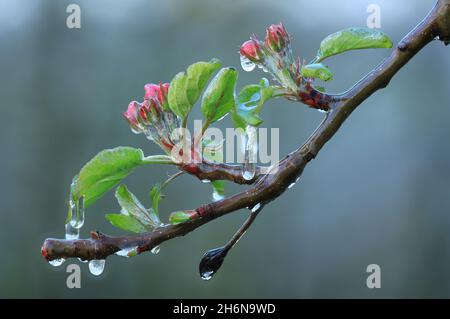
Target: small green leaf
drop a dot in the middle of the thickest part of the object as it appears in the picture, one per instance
(132, 206)
(105, 171)
(352, 39)
(317, 71)
(178, 100)
(250, 101)
(218, 98)
(198, 75)
(126, 222)
(179, 217)
(218, 187)
(156, 196)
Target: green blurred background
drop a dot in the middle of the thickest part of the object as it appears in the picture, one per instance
(379, 191)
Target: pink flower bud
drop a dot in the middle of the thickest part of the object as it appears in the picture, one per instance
(131, 114)
(252, 51)
(157, 91)
(276, 37)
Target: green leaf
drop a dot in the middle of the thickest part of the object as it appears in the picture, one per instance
(352, 39)
(218, 187)
(317, 71)
(179, 217)
(198, 75)
(126, 222)
(105, 171)
(212, 150)
(178, 100)
(132, 206)
(156, 196)
(157, 159)
(218, 98)
(250, 101)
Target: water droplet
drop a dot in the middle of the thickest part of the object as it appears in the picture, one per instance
(155, 250)
(71, 232)
(127, 252)
(216, 196)
(57, 262)
(256, 208)
(211, 262)
(77, 212)
(291, 185)
(96, 266)
(251, 152)
(82, 261)
(206, 181)
(246, 64)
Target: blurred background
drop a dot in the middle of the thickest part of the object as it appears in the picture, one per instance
(377, 193)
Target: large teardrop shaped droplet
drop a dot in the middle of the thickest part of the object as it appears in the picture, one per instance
(96, 266)
(57, 262)
(246, 64)
(251, 153)
(211, 262)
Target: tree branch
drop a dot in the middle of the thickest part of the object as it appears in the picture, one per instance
(268, 187)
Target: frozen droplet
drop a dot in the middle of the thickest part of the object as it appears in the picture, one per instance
(291, 185)
(211, 262)
(82, 261)
(251, 152)
(71, 232)
(77, 212)
(256, 208)
(155, 250)
(96, 266)
(127, 252)
(216, 196)
(246, 64)
(57, 262)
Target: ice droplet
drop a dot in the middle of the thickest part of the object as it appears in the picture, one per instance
(155, 250)
(256, 208)
(246, 64)
(251, 152)
(96, 266)
(57, 262)
(77, 212)
(127, 252)
(216, 196)
(71, 232)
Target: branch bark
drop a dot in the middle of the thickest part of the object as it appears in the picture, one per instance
(268, 187)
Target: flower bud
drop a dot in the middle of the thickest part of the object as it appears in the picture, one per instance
(131, 114)
(252, 51)
(157, 91)
(276, 37)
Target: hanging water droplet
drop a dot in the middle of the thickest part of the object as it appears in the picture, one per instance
(96, 266)
(71, 232)
(77, 212)
(291, 185)
(206, 181)
(246, 64)
(127, 252)
(216, 196)
(82, 261)
(57, 262)
(211, 262)
(251, 152)
(155, 250)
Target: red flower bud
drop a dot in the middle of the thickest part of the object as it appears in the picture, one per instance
(157, 91)
(276, 37)
(131, 114)
(252, 51)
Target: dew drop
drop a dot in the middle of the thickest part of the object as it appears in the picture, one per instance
(57, 262)
(155, 250)
(251, 152)
(72, 233)
(96, 266)
(246, 64)
(216, 196)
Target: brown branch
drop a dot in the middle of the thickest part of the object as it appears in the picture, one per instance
(270, 186)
